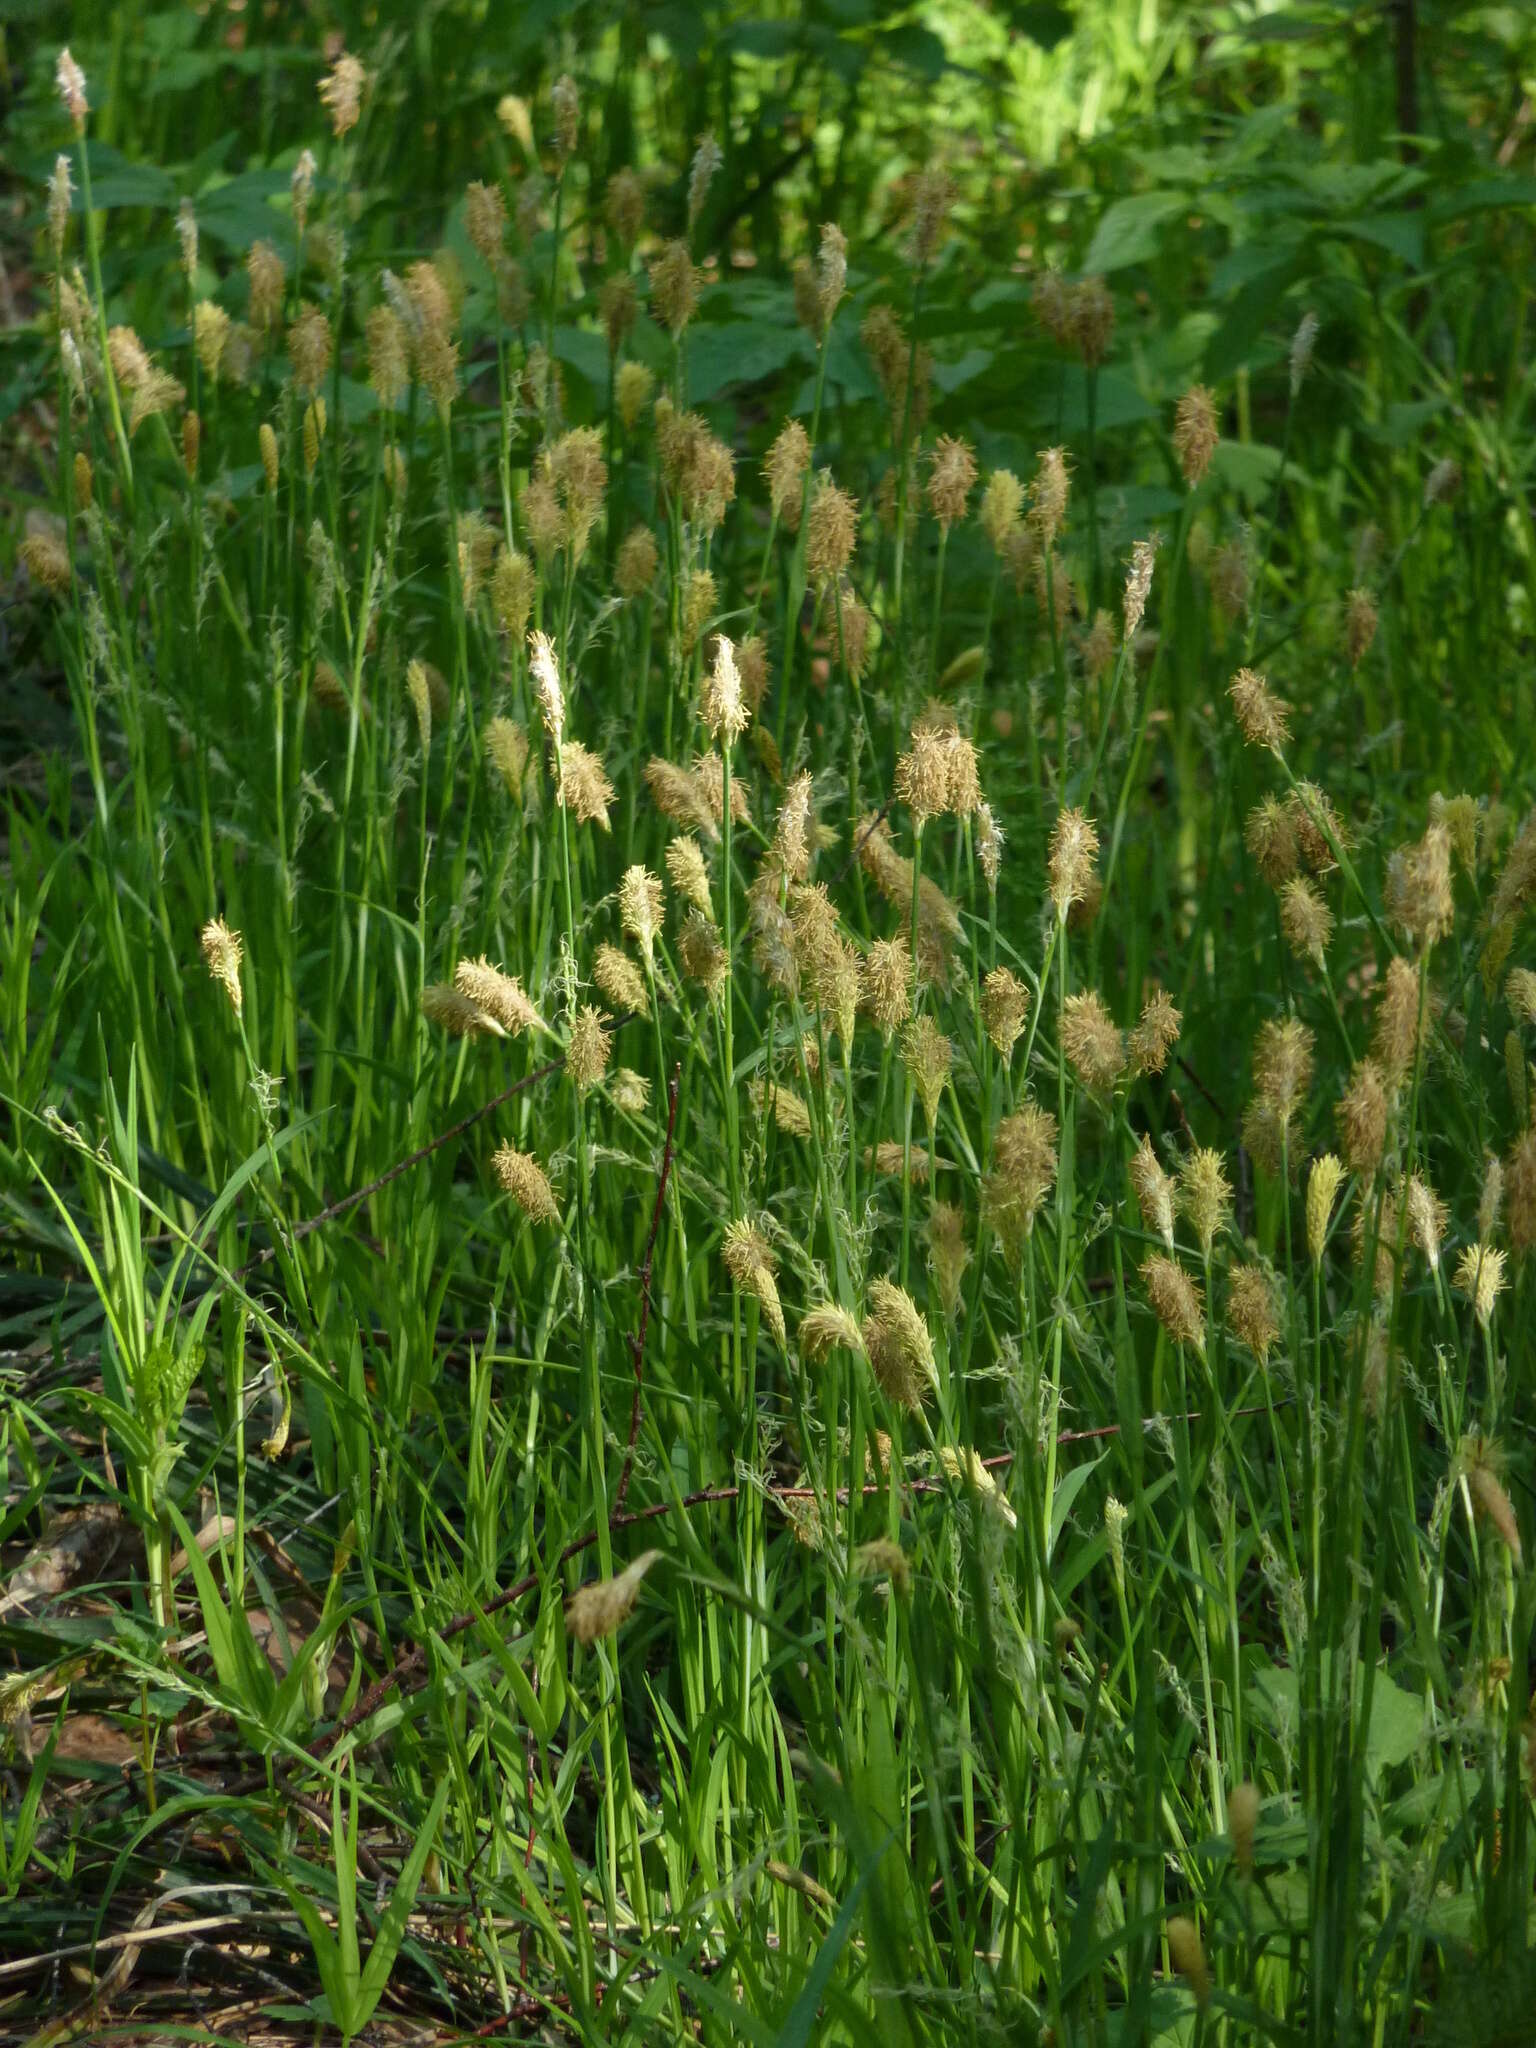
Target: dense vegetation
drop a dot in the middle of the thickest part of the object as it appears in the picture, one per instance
(767, 1018)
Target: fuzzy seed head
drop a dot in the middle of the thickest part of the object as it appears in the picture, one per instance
(601, 1608)
(584, 789)
(267, 276)
(1322, 1189)
(928, 1057)
(1361, 1117)
(674, 288)
(1418, 888)
(951, 475)
(688, 874)
(722, 705)
(1022, 1173)
(1426, 1219)
(1442, 483)
(1359, 626)
(1282, 1064)
(1270, 836)
(829, 1327)
(1048, 494)
(1091, 1040)
(1205, 1195)
(632, 388)
(1195, 434)
(1176, 1300)
(341, 93)
(1261, 715)
(1138, 585)
(1480, 1275)
(522, 1177)
(1002, 506)
(1005, 1004)
(750, 1262)
(898, 1345)
(1252, 1315)
(784, 473)
(1520, 1190)
(624, 206)
(831, 529)
(546, 688)
(704, 958)
(1091, 320)
(1155, 1034)
(222, 949)
(1074, 849)
(507, 750)
(456, 1013)
(1305, 919)
(948, 1253)
(1396, 1036)
(587, 1054)
(1187, 1955)
(1303, 342)
(619, 979)
(1153, 1191)
(46, 561)
(500, 995)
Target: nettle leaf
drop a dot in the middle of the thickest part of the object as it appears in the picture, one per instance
(741, 352)
(1128, 233)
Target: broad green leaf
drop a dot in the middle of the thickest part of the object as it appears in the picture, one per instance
(1128, 232)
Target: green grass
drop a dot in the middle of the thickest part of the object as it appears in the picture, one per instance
(807, 1569)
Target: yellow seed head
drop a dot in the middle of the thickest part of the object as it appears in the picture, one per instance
(584, 789)
(898, 1345)
(1418, 888)
(1155, 1034)
(421, 701)
(635, 566)
(948, 1253)
(722, 705)
(1426, 1219)
(632, 388)
(674, 288)
(831, 529)
(1021, 1175)
(1048, 494)
(1002, 506)
(1396, 1036)
(619, 979)
(1480, 1275)
(927, 1056)
(1074, 849)
(624, 206)
(1251, 1313)
(1260, 713)
(1242, 1820)
(703, 956)
(601, 1608)
(688, 874)
(829, 1327)
(222, 949)
(1138, 585)
(1091, 1040)
(1187, 1954)
(750, 1262)
(1176, 1299)
(951, 475)
(1195, 434)
(500, 995)
(1005, 1004)
(46, 561)
(587, 1054)
(526, 1182)
(1305, 919)
(1362, 1119)
(341, 93)
(640, 907)
(1205, 1195)
(1154, 1192)
(507, 749)
(1322, 1188)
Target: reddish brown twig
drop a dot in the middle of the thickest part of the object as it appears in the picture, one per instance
(400, 1166)
(414, 1660)
(637, 1340)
